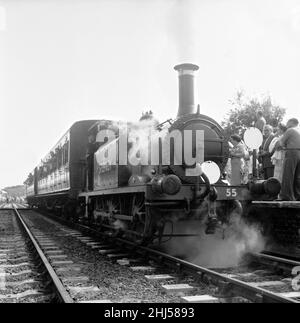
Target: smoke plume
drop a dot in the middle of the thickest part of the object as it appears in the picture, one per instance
(141, 136)
(182, 29)
(223, 249)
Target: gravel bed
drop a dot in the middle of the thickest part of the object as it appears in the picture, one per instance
(116, 283)
(270, 275)
(14, 250)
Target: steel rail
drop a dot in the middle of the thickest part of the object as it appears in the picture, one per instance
(62, 292)
(231, 285)
(276, 259)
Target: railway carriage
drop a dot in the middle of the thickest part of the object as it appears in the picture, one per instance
(55, 183)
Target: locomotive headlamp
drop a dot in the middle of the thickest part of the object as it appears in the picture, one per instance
(212, 171)
(253, 138)
(170, 184)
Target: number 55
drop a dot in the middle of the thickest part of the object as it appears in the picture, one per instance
(231, 192)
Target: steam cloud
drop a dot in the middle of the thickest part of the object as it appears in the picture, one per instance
(221, 250)
(182, 29)
(139, 137)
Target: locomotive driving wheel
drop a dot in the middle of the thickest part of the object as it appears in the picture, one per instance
(136, 227)
(138, 208)
(113, 207)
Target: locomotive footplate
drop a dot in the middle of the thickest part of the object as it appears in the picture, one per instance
(187, 192)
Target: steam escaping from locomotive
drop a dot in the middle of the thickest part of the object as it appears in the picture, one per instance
(223, 249)
(184, 35)
(151, 144)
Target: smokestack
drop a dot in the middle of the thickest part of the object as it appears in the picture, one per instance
(186, 76)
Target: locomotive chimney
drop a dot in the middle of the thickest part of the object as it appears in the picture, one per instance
(186, 76)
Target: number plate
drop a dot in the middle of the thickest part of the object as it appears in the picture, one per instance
(232, 192)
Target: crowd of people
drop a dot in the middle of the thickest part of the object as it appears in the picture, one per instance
(278, 157)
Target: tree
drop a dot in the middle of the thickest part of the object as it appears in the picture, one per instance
(243, 113)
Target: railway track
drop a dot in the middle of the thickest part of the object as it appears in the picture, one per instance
(25, 273)
(263, 279)
(82, 268)
(263, 283)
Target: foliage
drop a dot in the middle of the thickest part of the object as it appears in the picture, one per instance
(243, 113)
(29, 180)
(15, 191)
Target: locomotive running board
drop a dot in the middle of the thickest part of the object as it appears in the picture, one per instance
(117, 190)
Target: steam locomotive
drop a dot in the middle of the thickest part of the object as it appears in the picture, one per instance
(87, 176)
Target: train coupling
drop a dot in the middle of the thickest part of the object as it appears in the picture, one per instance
(211, 225)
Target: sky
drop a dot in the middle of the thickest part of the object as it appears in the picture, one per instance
(63, 61)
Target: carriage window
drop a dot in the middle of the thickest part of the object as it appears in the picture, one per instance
(65, 153)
